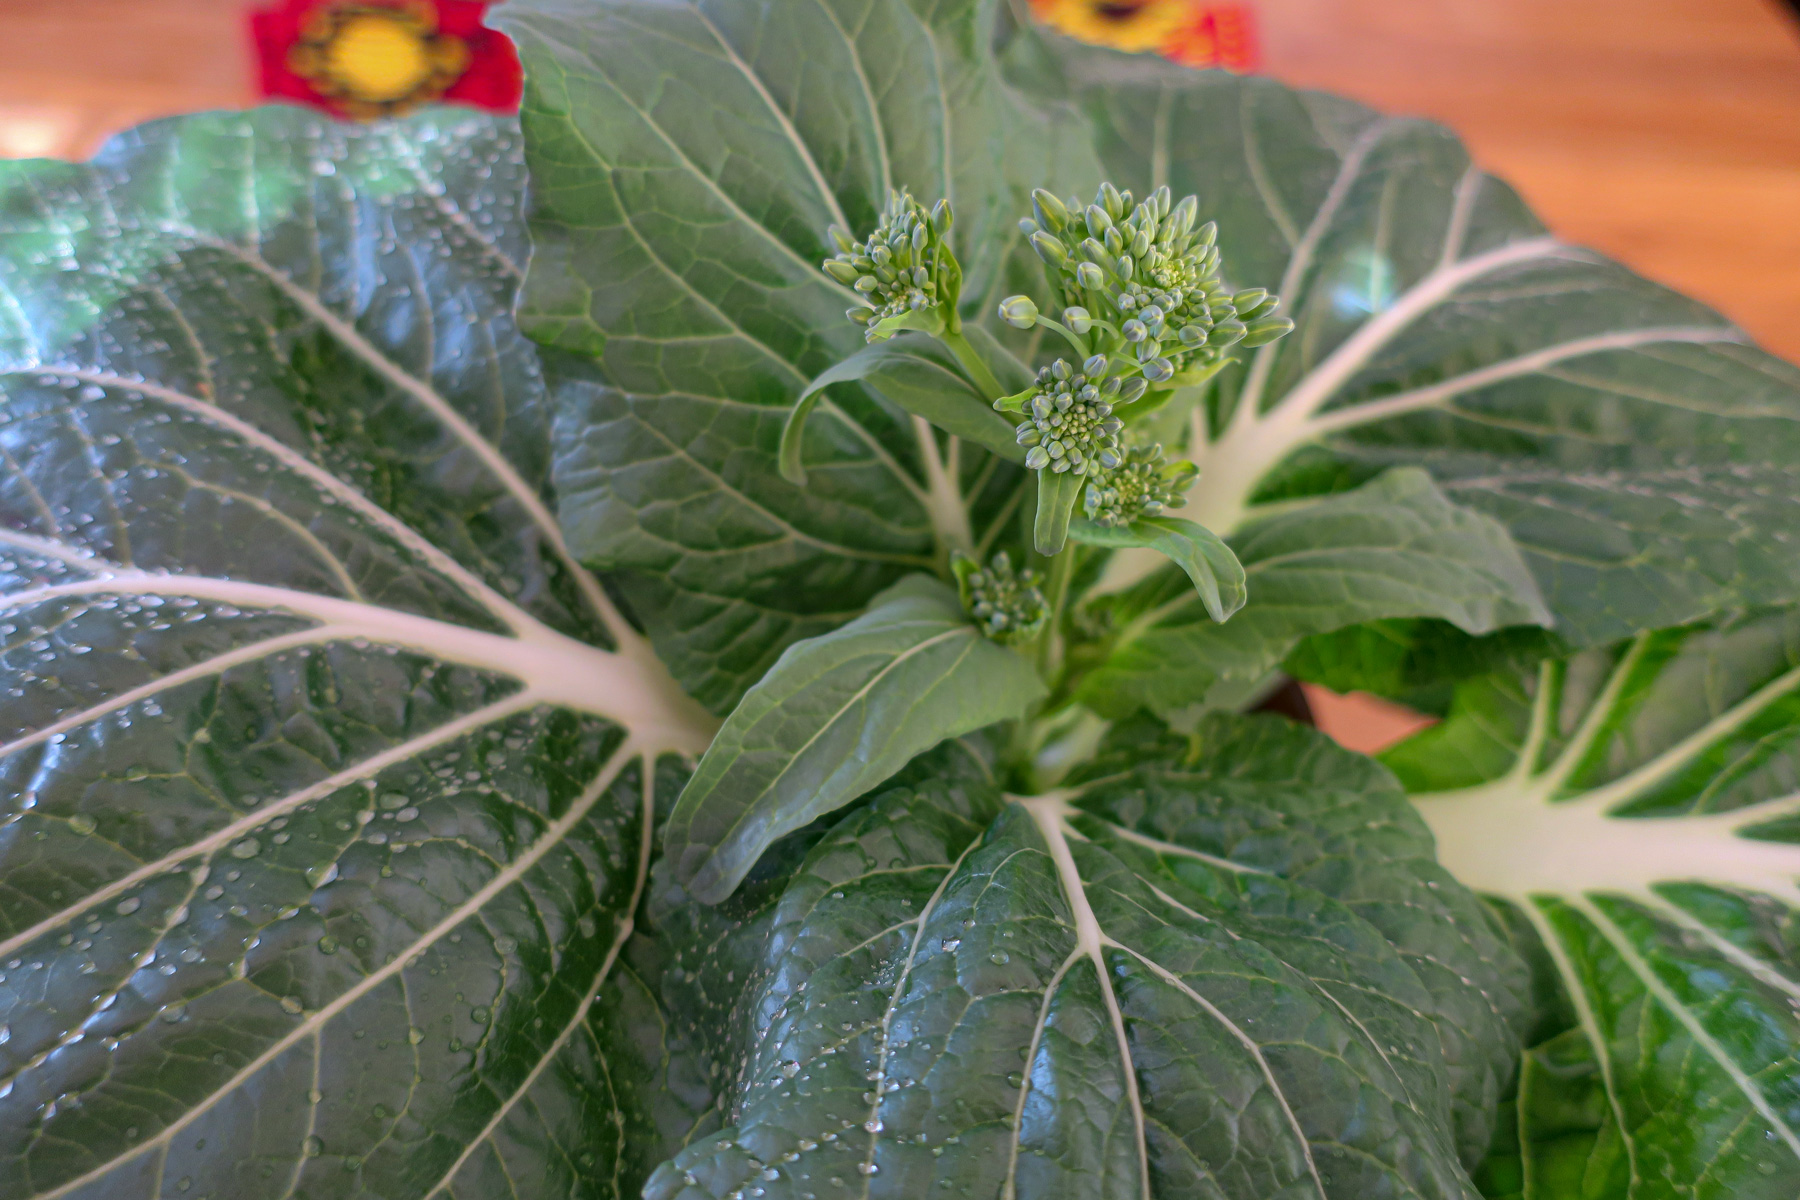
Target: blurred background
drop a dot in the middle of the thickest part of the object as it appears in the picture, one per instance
(1665, 133)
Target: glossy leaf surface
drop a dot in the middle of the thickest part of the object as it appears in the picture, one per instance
(836, 716)
(328, 773)
(1234, 974)
(1635, 808)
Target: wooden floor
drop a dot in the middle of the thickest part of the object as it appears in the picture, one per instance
(1663, 132)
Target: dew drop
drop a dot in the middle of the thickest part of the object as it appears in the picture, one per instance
(82, 824)
(290, 1004)
(128, 906)
(320, 875)
(999, 958)
(314, 1147)
(247, 848)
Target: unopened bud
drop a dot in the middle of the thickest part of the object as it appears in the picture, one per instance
(1269, 329)
(1077, 318)
(1052, 214)
(1049, 248)
(1019, 312)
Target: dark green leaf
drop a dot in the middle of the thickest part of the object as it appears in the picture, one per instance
(325, 806)
(921, 376)
(836, 716)
(1636, 808)
(686, 163)
(1643, 455)
(1217, 574)
(1240, 976)
(1057, 494)
(1392, 548)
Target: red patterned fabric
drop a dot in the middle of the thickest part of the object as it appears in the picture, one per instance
(471, 64)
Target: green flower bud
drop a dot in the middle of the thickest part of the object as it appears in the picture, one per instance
(862, 316)
(1266, 330)
(1019, 312)
(1150, 265)
(1069, 423)
(1077, 318)
(1006, 606)
(1265, 309)
(1142, 485)
(1094, 367)
(904, 267)
(1249, 298)
(1159, 370)
(1052, 214)
(941, 217)
(1226, 333)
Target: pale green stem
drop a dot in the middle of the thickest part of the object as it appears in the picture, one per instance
(973, 364)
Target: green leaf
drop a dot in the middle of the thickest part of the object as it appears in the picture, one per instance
(686, 163)
(1239, 976)
(1217, 574)
(922, 377)
(1640, 451)
(836, 716)
(1636, 809)
(1057, 494)
(1396, 547)
(326, 774)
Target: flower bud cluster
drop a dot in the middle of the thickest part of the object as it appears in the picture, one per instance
(1008, 606)
(905, 266)
(1144, 485)
(1069, 423)
(1146, 267)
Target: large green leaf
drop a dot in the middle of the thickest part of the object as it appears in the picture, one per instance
(686, 162)
(1645, 457)
(1395, 547)
(1636, 810)
(327, 773)
(1230, 968)
(836, 716)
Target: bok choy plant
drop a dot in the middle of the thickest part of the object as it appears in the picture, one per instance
(702, 644)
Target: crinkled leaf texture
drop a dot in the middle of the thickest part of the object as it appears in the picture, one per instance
(1226, 967)
(837, 716)
(1636, 810)
(687, 160)
(1640, 452)
(328, 775)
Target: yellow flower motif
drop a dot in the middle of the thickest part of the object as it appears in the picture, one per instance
(378, 59)
(1135, 25)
